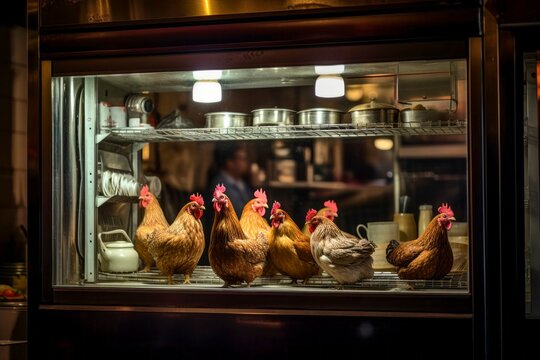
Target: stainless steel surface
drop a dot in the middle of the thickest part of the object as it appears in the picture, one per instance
(277, 132)
(137, 105)
(204, 276)
(248, 78)
(104, 11)
(90, 178)
(273, 116)
(374, 114)
(420, 118)
(320, 116)
(226, 119)
(66, 177)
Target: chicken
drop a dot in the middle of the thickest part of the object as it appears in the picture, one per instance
(429, 256)
(330, 210)
(252, 222)
(347, 259)
(178, 248)
(153, 219)
(289, 247)
(234, 256)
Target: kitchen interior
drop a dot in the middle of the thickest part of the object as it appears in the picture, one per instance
(381, 140)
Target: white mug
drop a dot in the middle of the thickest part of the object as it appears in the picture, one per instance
(380, 233)
(118, 115)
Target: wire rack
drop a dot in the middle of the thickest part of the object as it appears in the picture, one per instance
(204, 276)
(127, 135)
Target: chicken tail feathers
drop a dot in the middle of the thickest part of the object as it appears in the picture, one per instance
(390, 248)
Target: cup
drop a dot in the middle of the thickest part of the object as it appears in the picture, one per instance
(118, 115)
(134, 122)
(380, 233)
(105, 120)
(460, 250)
(407, 226)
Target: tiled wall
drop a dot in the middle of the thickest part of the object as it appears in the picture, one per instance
(13, 110)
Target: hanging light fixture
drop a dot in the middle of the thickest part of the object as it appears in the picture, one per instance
(207, 88)
(330, 84)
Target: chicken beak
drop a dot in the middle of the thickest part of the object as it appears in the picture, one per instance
(452, 218)
(214, 200)
(265, 206)
(202, 207)
(335, 215)
(272, 217)
(140, 197)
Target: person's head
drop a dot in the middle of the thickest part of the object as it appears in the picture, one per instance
(232, 158)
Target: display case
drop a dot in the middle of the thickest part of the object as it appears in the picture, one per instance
(373, 108)
(115, 133)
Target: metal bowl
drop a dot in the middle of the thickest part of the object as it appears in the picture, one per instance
(319, 116)
(422, 118)
(374, 114)
(273, 116)
(225, 119)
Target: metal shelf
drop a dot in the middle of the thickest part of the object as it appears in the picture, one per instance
(100, 200)
(385, 281)
(127, 135)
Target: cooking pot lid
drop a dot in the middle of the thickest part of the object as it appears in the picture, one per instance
(273, 109)
(320, 109)
(372, 105)
(118, 244)
(224, 113)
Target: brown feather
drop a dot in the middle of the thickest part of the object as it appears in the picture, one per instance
(233, 256)
(153, 219)
(178, 248)
(290, 251)
(428, 257)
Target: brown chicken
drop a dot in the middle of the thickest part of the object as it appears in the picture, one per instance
(290, 250)
(346, 258)
(429, 256)
(330, 210)
(252, 222)
(153, 220)
(234, 256)
(178, 248)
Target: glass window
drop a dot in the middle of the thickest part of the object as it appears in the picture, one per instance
(376, 149)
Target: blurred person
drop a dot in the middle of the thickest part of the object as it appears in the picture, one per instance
(233, 167)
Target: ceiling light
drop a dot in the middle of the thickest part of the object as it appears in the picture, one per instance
(207, 74)
(329, 69)
(207, 91)
(384, 144)
(329, 86)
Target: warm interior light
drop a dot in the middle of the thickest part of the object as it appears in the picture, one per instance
(329, 69)
(384, 144)
(207, 74)
(329, 86)
(354, 92)
(146, 152)
(206, 91)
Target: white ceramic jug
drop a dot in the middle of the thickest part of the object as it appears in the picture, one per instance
(117, 256)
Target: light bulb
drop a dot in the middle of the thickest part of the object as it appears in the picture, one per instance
(207, 74)
(383, 144)
(329, 69)
(206, 91)
(329, 86)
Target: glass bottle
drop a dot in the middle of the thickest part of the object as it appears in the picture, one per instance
(425, 216)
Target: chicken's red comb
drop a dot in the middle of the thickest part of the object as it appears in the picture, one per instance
(446, 209)
(275, 207)
(331, 204)
(310, 214)
(261, 195)
(219, 190)
(144, 190)
(198, 198)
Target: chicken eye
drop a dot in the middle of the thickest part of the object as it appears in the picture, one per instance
(444, 216)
